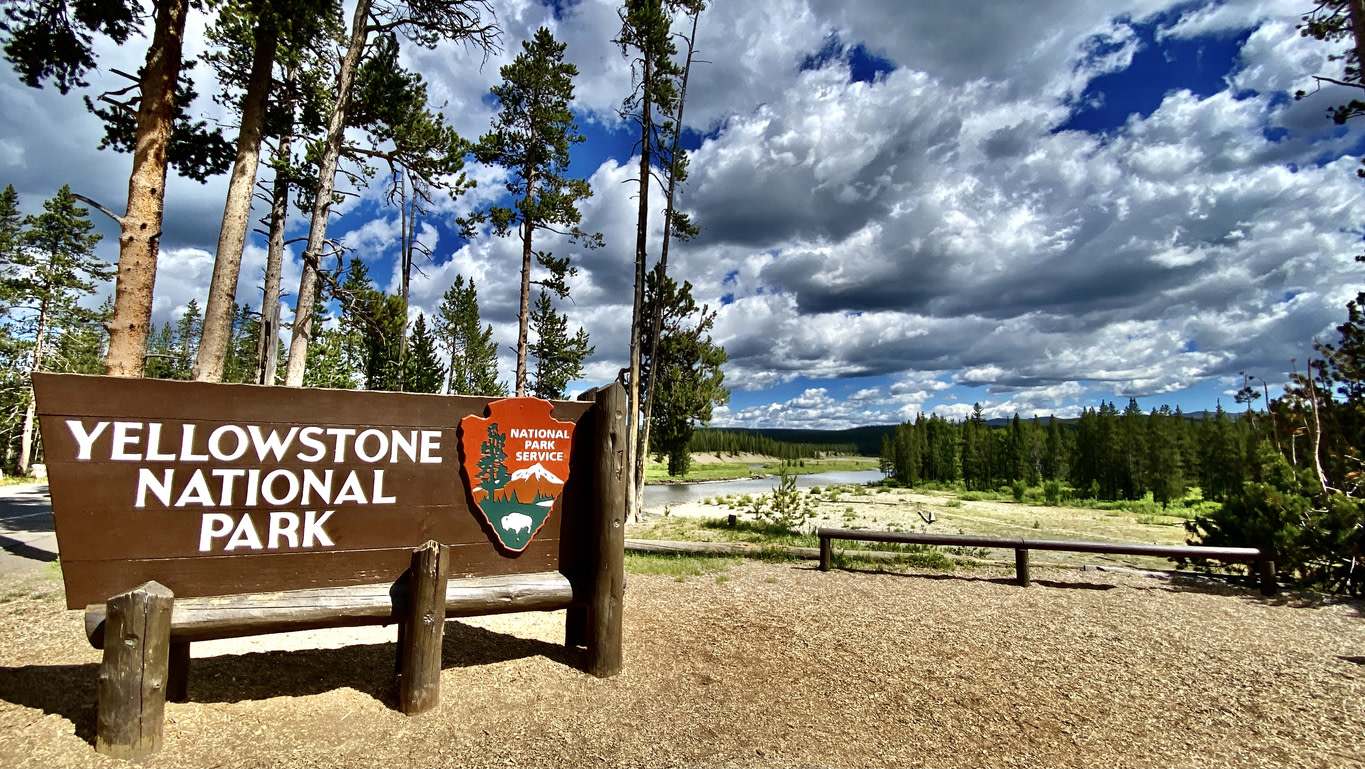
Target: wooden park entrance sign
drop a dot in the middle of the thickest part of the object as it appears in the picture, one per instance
(187, 511)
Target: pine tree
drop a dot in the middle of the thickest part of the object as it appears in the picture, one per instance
(52, 40)
(473, 356)
(80, 348)
(161, 353)
(531, 137)
(10, 229)
(558, 356)
(645, 38)
(686, 363)
(51, 270)
(423, 22)
(492, 467)
(248, 35)
(423, 372)
(329, 364)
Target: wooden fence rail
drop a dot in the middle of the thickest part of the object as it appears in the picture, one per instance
(1021, 547)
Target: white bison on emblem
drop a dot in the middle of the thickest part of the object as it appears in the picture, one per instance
(516, 522)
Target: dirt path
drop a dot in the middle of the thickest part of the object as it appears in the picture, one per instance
(765, 665)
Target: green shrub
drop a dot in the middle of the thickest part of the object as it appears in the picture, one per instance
(1052, 492)
(1017, 489)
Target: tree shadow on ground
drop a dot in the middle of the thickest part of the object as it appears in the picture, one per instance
(68, 691)
(23, 549)
(1245, 589)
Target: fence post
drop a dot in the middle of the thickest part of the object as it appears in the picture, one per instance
(1021, 566)
(419, 688)
(826, 552)
(132, 677)
(607, 563)
(1266, 566)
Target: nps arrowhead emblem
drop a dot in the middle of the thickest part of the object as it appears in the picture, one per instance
(516, 461)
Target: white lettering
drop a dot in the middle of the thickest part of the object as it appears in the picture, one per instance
(146, 482)
(360, 446)
(84, 441)
(197, 490)
(154, 445)
(312, 528)
(379, 498)
(268, 487)
(408, 445)
(211, 527)
(216, 441)
(187, 446)
(307, 438)
(539, 456)
(341, 433)
(322, 486)
(284, 525)
(350, 491)
(122, 438)
(273, 444)
(244, 536)
(227, 475)
(430, 444)
(253, 484)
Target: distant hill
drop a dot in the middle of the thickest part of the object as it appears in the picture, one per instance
(868, 440)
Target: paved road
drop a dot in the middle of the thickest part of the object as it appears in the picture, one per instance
(27, 541)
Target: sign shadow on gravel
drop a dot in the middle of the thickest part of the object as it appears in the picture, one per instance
(366, 668)
(61, 690)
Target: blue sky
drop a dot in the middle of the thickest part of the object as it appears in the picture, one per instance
(904, 206)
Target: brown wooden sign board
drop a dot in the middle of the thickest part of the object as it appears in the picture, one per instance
(214, 489)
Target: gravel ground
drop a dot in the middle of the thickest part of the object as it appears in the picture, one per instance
(765, 665)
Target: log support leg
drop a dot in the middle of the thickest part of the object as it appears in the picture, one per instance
(826, 553)
(178, 675)
(607, 561)
(419, 683)
(576, 627)
(1021, 567)
(133, 674)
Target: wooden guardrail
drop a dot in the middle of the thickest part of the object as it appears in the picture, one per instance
(1021, 547)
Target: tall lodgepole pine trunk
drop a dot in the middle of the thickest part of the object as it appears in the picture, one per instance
(217, 332)
(1357, 9)
(524, 312)
(656, 322)
(633, 448)
(267, 338)
(327, 170)
(26, 438)
(140, 226)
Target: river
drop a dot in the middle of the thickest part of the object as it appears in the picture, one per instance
(679, 493)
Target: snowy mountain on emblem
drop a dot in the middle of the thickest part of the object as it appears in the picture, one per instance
(530, 486)
(538, 472)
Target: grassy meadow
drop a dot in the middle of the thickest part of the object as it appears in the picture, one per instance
(939, 511)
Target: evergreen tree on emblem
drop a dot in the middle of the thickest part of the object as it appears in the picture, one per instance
(492, 458)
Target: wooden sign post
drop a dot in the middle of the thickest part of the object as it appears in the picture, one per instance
(298, 508)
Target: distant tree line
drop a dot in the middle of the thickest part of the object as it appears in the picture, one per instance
(1105, 455)
(741, 442)
(1289, 479)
